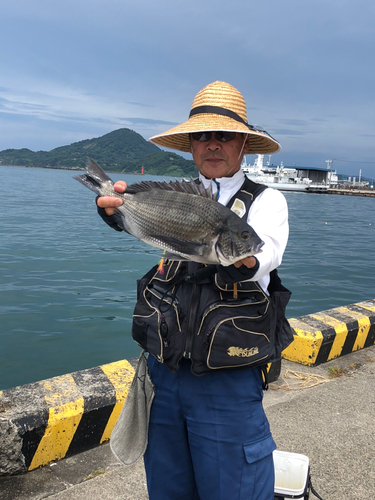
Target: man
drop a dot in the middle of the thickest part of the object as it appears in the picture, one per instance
(209, 438)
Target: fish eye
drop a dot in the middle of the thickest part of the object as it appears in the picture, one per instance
(245, 235)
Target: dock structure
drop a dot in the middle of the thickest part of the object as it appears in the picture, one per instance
(62, 416)
(369, 193)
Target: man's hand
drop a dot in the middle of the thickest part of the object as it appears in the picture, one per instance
(248, 262)
(109, 203)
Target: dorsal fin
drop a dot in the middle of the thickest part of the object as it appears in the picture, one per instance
(190, 187)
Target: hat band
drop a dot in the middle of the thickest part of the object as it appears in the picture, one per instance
(217, 110)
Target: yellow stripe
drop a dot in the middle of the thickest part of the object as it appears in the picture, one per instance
(65, 412)
(366, 305)
(363, 324)
(341, 330)
(306, 344)
(120, 375)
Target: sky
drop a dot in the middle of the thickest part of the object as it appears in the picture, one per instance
(77, 69)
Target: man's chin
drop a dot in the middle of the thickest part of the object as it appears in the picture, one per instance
(215, 166)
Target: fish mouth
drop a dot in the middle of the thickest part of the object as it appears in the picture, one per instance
(226, 262)
(258, 247)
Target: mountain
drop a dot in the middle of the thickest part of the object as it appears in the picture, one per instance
(122, 150)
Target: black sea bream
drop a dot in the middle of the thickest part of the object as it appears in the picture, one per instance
(181, 218)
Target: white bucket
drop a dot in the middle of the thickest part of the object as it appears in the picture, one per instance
(291, 475)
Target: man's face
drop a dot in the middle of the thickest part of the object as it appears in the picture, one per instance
(215, 158)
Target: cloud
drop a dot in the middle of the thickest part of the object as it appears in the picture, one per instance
(284, 131)
(141, 104)
(294, 121)
(80, 69)
(149, 121)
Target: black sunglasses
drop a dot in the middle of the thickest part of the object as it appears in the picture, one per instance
(219, 136)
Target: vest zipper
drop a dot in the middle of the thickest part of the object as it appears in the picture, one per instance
(193, 309)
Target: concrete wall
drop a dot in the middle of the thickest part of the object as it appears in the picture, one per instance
(329, 334)
(61, 416)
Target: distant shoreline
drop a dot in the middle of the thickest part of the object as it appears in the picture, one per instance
(73, 169)
(369, 193)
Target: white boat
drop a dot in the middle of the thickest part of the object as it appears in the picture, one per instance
(284, 178)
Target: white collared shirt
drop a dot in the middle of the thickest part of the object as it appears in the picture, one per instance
(268, 216)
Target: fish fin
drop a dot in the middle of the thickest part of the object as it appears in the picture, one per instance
(87, 181)
(94, 176)
(119, 219)
(95, 172)
(190, 187)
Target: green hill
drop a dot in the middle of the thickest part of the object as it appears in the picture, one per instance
(122, 150)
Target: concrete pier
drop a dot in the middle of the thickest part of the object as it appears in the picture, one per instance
(331, 422)
(65, 417)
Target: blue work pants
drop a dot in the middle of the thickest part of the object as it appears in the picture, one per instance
(209, 438)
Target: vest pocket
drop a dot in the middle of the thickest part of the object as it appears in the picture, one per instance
(158, 312)
(236, 342)
(236, 335)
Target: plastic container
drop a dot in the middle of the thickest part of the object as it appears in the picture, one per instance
(291, 475)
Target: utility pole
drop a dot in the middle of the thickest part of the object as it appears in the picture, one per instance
(329, 167)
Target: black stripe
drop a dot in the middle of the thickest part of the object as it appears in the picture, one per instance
(350, 338)
(101, 392)
(329, 335)
(30, 442)
(370, 339)
(33, 420)
(98, 406)
(352, 327)
(90, 430)
(357, 308)
(217, 110)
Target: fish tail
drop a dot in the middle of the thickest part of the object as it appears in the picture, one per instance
(95, 172)
(88, 182)
(94, 176)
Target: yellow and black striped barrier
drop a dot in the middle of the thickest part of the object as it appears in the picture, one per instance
(65, 415)
(61, 416)
(327, 335)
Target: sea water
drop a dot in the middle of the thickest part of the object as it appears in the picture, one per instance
(67, 280)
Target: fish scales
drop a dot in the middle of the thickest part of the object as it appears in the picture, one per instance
(181, 218)
(171, 214)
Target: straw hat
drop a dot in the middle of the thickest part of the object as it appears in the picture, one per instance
(219, 106)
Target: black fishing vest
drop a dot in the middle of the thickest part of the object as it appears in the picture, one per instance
(185, 310)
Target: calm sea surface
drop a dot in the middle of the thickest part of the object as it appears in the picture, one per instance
(67, 281)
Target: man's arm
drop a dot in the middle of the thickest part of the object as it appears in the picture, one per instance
(268, 216)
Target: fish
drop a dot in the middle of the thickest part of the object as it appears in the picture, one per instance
(182, 218)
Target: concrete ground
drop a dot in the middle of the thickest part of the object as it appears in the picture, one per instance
(331, 420)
